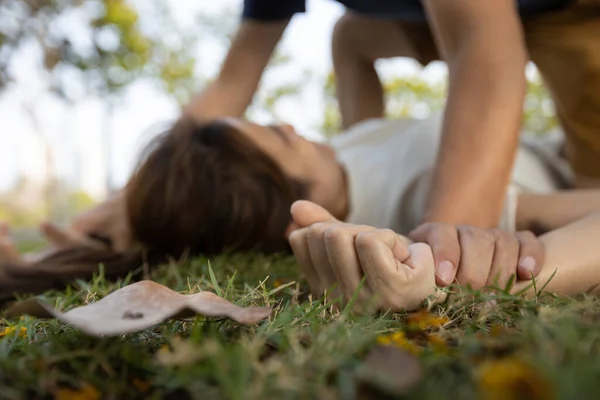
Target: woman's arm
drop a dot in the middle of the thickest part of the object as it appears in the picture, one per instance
(573, 256)
(553, 211)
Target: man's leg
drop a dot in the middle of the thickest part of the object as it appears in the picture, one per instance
(565, 46)
(357, 43)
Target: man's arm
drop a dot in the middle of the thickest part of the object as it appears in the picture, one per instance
(231, 93)
(482, 42)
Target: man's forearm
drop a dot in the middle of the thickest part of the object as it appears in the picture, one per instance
(480, 137)
(233, 89)
(220, 99)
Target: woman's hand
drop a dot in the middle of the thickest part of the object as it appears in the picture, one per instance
(58, 239)
(334, 254)
(8, 251)
(63, 238)
(107, 220)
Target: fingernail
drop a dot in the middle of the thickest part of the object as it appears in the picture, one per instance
(445, 271)
(528, 264)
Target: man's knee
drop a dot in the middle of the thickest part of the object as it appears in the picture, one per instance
(367, 39)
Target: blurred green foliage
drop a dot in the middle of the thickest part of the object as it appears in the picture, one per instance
(101, 43)
(416, 97)
(21, 206)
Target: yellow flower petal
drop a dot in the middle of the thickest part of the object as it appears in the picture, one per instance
(512, 378)
(86, 392)
(424, 319)
(9, 330)
(438, 344)
(384, 340)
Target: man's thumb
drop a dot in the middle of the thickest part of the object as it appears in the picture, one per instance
(305, 213)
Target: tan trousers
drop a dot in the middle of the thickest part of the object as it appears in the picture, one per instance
(565, 47)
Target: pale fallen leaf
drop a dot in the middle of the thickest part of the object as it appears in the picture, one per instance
(140, 306)
(182, 352)
(85, 392)
(388, 369)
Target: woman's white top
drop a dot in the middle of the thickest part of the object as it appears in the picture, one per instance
(389, 165)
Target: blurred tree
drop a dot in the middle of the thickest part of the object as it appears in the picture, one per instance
(92, 48)
(21, 206)
(103, 44)
(539, 113)
(99, 47)
(416, 97)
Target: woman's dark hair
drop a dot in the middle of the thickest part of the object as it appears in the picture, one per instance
(209, 188)
(199, 189)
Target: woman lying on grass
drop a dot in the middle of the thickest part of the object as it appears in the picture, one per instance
(227, 184)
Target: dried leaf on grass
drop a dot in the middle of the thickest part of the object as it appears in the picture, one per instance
(179, 352)
(85, 392)
(140, 306)
(390, 370)
(11, 330)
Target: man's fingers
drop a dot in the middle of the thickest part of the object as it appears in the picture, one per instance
(446, 248)
(306, 213)
(531, 255)
(506, 256)
(476, 258)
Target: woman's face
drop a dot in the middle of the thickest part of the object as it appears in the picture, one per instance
(310, 162)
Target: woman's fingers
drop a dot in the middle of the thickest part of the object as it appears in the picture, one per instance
(403, 276)
(327, 255)
(306, 213)
(55, 235)
(341, 251)
(8, 250)
(63, 238)
(299, 246)
(422, 281)
(310, 247)
(315, 238)
(381, 254)
(335, 254)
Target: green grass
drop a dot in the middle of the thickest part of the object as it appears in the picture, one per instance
(545, 347)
